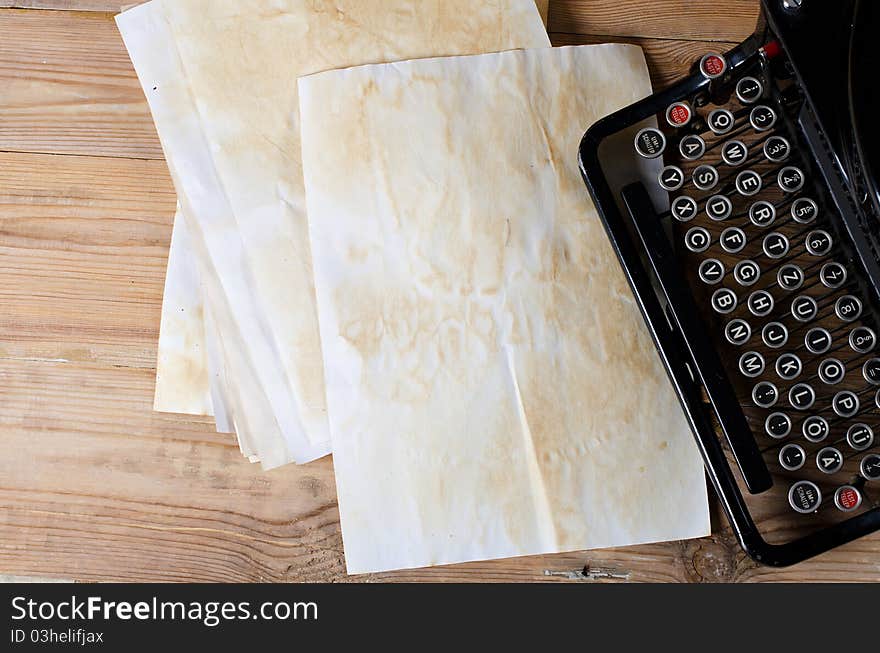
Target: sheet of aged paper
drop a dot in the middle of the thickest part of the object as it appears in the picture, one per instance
(492, 388)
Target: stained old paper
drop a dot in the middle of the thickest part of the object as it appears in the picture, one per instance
(492, 389)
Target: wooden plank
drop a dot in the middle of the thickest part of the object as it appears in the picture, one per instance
(83, 249)
(69, 87)
(674, 19)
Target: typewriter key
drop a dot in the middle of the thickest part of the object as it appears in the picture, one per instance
(792, 457)
(684, 208)
(815, 428)
(860, 437)
(765, 394)
(846, 403)
(862, 340)
(650, 143)
(831, 371)
(790, 179)
(829, 460)
(733, 240)
(724, 301)
(738, 332)
(692, 147)
(713, 66)
(804, 308)
(777, 149)
(877, 399)
(761, 303)
(833, 275)
(719, 207)
(697, 240)
(746, 273)
(790, 277)
(671, 178)
(751, 364)
(749, 183)
(818, 341)
(776, 245)
(870, 467)
(711, 271)
(819, 243)
(679, 114)
(789, 367)
(762, 118)
(762, 213)
(871, 371)
(804, 497)
(848, 308)
(720, 121)
(778, 425)
(749, 90)
(774, 335)
(804, 210)
(733, 153)
(802, 396)
(705, 177)
(847, 498)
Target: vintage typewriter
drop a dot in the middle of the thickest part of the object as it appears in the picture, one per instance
(744, 210)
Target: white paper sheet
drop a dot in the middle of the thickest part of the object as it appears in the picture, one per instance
(491, 386)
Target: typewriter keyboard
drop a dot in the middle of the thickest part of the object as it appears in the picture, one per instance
(767, 260)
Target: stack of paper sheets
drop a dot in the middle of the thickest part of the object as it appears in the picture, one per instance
(398, 262)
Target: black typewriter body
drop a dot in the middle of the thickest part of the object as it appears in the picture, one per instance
(743, 206)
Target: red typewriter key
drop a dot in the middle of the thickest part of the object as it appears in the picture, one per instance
(713, 66)
(847, 498)
(679, 114)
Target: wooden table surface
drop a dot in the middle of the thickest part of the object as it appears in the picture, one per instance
(94, 486)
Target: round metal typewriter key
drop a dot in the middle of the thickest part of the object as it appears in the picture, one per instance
(733, 153)
(815, 428)
(776, 245)
(804, 308)
(738, 332)
(762, 118)
(719, 207)
(802, 396)
(724, 301)
(789, 367)
(790, 277)
(790, 179)
(819, 242)
(679, 114)
(870, 467)
(749, 90)
(804, 210)
(765, 394)
(778, 425)
(877, 399)
(792, 457)
(751, 364)
(833, 275)
(871, 371)
(847, 498)
(848, 308)
(746, 273)
(733, 240)
(697, 240)
(720, 121)
(831, 371)
(774, 335)
(684, 208)
(845, 403)
(762, 213)
(749, 183)
(862, 340)
(692, 147)
(818, 341)
(777, 149)
(671, 178)
(713, 66)
(860, 437)
(705, 177)
(829, 460)
(805, 497)
(761, 303)
(650, 143)
(711, 271)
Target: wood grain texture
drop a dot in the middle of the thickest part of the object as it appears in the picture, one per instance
(94, 486)
(68, 5)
